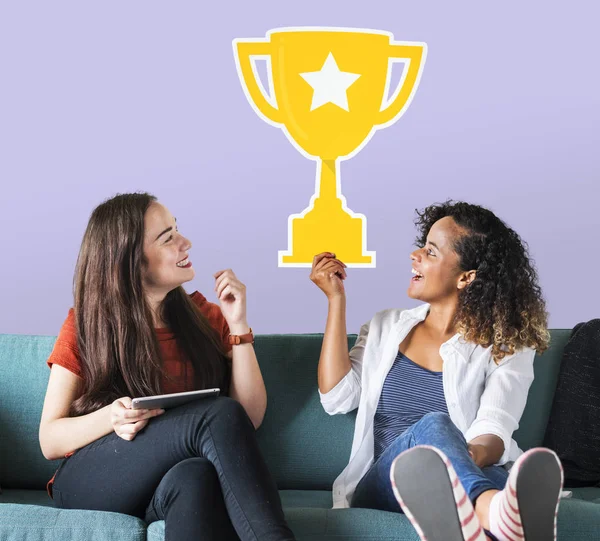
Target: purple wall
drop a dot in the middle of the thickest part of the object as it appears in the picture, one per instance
(124, 96)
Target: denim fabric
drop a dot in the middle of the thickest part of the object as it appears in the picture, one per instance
(374, 490)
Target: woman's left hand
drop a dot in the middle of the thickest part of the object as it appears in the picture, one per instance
(232, 295)
(486, 450)
(477, 453)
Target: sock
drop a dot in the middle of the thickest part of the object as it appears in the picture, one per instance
(505, 519)
(470, 526)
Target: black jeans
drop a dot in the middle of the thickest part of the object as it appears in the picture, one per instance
(197, 466)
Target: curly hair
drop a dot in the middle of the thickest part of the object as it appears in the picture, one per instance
(503, 306)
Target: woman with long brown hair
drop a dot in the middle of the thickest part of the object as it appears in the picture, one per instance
(440, 388)
(135, 332)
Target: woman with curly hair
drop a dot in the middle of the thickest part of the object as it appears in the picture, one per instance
(440, 388)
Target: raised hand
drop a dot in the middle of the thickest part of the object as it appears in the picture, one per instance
(127, 422)
(328, 274)
(232, 295)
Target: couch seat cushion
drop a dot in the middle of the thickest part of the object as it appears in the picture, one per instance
(591, 494)
(27, 515)
(310, 517)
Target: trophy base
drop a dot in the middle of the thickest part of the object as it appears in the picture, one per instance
(327, 227)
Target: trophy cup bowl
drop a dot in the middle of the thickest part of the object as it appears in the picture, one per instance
(330, 132)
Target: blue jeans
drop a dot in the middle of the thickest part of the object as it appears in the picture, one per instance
(374, 491)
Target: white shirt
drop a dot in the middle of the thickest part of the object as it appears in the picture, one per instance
(482, 397)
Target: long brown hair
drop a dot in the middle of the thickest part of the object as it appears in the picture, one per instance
(119, 351)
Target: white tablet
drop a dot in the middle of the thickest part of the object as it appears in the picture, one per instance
(164, 401)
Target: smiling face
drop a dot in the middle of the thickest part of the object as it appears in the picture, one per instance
(166, 253)
(437, 275)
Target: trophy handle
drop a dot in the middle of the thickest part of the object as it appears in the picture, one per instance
(415, 54)
(243, 50)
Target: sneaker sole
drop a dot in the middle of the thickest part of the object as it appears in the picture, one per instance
(539, 482)
(432, 512)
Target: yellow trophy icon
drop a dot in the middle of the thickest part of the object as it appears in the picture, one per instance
(328, 91)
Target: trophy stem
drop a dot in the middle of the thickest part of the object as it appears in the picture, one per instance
(327, 189)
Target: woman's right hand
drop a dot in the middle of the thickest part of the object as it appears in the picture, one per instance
(328, 273)
(127, 422)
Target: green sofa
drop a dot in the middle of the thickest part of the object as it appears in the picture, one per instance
(304, 447)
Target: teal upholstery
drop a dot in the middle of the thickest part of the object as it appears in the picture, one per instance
(304, 447)
(27, 515)
(296, 430)
(539, 403)
(23, 380)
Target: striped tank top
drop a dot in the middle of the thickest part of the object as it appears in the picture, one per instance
(409, 393)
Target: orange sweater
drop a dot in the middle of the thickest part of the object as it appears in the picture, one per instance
(66, 352)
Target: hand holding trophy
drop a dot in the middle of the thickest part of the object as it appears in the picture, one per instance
(329, 94)
(328, 274)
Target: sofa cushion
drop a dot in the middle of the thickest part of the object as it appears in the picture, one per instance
(578, 521)
(321, 499)
(304, 447)
(539, 402)
(29, 514)
(23, 380)
(308, 512)
(309, 516)
(29, 497)
(590, 494)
